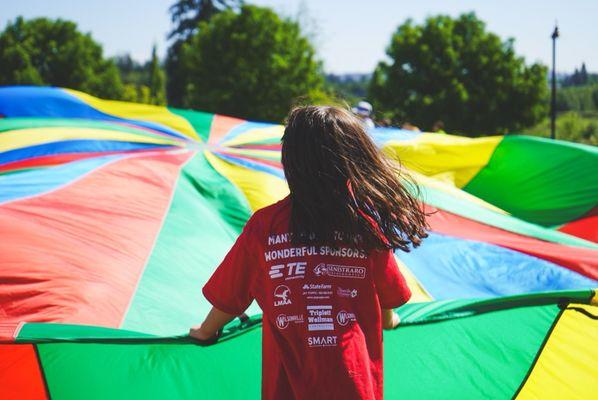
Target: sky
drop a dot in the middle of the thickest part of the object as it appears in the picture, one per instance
(350, 36)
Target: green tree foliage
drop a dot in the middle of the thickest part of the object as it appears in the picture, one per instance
(136, 93)
(132, 71)
(53, 52)
(250, 64)
(455, 71)
(579, 77)
(186, 16)
(143, 83)
(135, 78)
(176, 74)
(578, 98)
(577, 107)
(578, 92)
(351, 87)
(571, 126)
(156, 80)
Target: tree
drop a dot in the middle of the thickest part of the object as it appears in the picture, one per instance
(350, 87)
(579, 77)
(186, 16)
(251, 64)
(143, 83)
(130, 70)
(453, 70)
(53, 52)
(156, 80)
(135, 78)
(583, 74)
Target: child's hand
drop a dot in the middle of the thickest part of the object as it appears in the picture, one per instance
(198, 333)
(390, 319)
(210, 330)
(396, 320)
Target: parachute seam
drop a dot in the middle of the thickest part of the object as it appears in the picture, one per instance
(540, 351)
(149, 254)
(42, 372)
(78, 178)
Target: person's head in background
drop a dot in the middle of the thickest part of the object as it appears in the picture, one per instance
(364, 111)
(385, 122)
(410, 127)
(340, 182)
(438, 127)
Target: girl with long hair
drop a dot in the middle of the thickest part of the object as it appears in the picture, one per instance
(320, 262)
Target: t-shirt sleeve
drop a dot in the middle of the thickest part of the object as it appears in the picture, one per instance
(390, 284)
(229, 289)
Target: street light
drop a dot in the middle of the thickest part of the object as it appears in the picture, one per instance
(555, 35)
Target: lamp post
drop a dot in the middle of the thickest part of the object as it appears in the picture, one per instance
(555, 35)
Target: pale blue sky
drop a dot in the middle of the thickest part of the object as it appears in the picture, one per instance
(350, 35)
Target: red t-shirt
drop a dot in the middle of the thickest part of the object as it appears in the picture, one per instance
(322, 328)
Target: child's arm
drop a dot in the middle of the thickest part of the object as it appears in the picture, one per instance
(390, 319)
(229, 289)
(391, 287)
(215, 320)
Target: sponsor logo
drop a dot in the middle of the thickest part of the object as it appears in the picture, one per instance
(317, 291)
(343, 317)
(281, 293)
(319, 318)
(275, 271)
(312, 286)
(347, 293)
(282, 320)
(321, 341)
(340, 271)
(293, 270)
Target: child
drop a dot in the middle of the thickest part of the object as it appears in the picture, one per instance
(320, 264)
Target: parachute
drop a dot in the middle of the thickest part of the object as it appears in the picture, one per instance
(113, 215)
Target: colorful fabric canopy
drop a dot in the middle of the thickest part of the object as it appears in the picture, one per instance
(113, 215)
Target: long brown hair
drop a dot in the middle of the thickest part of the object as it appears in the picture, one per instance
(343, 188)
